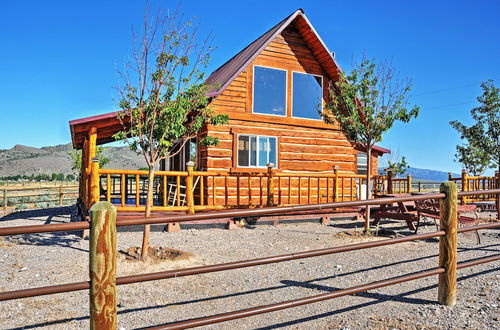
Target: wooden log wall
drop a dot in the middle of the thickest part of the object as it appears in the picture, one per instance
(304, 145)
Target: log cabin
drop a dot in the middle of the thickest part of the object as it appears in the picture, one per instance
(273, 92)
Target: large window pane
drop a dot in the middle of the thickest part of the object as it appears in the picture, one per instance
(243, 150)
(269, 95)
(307, 95)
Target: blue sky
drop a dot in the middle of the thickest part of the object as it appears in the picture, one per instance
(58, 59)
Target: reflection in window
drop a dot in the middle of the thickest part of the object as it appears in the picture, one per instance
(256, 151)
(269, 91)
(307, 95)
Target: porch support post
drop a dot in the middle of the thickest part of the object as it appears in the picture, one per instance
(83, 172)
(189, 187)
(270, 185)
(88, 163)
(465, 187)
(390, 176)
(408, 182)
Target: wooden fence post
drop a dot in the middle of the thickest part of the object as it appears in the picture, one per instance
(95, 192)
(408, 182)
(5, 200)
(270, 185)
(447, 290)
(336, 183)
(465, 187)
(390, 176)
(60, 195)
(102, 266)
(189, 188)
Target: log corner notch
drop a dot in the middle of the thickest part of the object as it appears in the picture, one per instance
(102, 266)
(447, 285)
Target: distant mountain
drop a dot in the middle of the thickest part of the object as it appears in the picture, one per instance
(426, 174)
(25, 160)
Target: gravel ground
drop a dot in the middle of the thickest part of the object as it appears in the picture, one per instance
(55, 258)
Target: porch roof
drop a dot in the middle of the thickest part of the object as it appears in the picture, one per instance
(106, 124)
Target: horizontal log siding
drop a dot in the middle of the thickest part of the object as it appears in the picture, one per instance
(304, 145)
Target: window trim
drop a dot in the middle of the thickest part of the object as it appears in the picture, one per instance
(253, 90)
(257, 152)
(322, 94)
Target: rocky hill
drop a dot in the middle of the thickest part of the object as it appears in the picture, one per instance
(25, 160)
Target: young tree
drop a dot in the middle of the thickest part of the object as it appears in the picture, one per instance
(76, 159)
(398, 167)
(164, 97)
(365, 104)
(481, 149)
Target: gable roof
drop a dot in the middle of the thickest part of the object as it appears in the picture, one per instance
(226, 73)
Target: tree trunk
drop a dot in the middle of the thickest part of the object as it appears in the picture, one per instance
(368, 188)
(149, 204)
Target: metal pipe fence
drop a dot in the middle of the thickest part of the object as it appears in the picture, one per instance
(103, 215)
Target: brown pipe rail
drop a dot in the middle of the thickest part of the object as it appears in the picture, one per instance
(215, 268)
(254, 262)
(321, 297)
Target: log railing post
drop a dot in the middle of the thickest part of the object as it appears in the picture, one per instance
(189, 188)
(465, 187)
(5, 201)
(497, 199)
(335, 183)
(94, 182)
(390, 176)
(60, 195)
(447, 290)
(102, 266)
(408, 182)
(270, 185)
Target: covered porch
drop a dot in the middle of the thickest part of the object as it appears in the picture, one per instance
(192, 190)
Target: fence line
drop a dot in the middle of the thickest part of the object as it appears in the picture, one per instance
(10, 198)
(103, 243)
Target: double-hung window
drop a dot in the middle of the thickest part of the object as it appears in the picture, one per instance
(257, 151)
(307, 95)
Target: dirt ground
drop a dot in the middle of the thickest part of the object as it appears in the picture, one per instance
(55, 258)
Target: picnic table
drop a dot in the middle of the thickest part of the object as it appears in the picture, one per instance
(399, 211)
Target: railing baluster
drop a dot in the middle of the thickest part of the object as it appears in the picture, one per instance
(202, 190)
(309, 193)
(122, 189)
(137, 197)
(108, 187)
(300, 190)
(250, 190)
(178, 182)
(214, 190)
(238, 194)
(261, 193)
(289, 190)
(319, 190)
(279, 191)
(226, 191)
(164, 190)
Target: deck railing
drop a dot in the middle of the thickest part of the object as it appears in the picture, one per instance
(388, 184)
(211, 190)
(471, 183)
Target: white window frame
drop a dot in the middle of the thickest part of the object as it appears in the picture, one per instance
(257, 152)
(253, 90)
(322, 94)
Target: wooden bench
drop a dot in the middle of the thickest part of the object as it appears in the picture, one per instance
(429, 208)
